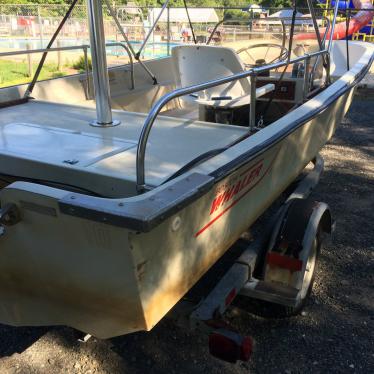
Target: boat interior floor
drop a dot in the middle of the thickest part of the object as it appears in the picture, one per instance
(55, 143)
(188, 112)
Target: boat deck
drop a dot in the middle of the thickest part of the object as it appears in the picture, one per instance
(54, 142)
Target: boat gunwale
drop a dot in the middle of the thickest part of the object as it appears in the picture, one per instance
(144, 214)
(259, 149)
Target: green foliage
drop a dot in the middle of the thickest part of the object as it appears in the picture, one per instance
(58, 74)
(81, 65)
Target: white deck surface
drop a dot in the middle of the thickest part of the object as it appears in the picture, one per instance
(39, 136)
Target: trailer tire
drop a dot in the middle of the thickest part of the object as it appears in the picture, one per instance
(268, 309)
(297, 236)
(282, 311)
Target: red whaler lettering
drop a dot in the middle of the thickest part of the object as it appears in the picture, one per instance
(246, 179)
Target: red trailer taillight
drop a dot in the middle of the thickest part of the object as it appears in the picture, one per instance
(230, 346)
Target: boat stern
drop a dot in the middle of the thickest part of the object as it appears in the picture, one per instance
(57, 269)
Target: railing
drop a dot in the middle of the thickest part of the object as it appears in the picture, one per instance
(124, 46)
(56, 49)
(83, 47)
(156, 109)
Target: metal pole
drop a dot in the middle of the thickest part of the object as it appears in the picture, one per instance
(189, 21)
(87, 68)
(333, 25)
(49, 45)
(315, 24)
(168, 30)
(321, 42)
(29, 61)
(119, 27)
(156, 109)
(42, 50)
(347, 19)
(113, 14)
(59, 56)
(306, 78)
(152, 28)
(99, 66)
(40, 21)
(124, 46)
(252, 107)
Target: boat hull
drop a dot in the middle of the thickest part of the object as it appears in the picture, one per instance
(106, 280)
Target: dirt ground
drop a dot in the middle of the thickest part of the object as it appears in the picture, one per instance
(333, 335)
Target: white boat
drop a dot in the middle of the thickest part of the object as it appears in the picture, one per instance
(105, 228)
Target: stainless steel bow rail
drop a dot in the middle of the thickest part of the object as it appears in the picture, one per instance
(156, 109)
(83, 47)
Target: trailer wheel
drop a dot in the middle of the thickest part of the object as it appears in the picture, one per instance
(282, 311)
(269, 309)
(285, 275)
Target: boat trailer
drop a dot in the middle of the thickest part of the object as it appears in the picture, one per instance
(278, 268)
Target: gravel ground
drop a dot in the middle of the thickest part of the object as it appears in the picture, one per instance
(334, 334)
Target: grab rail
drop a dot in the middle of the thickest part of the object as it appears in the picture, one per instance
(84, 47)
(140, 155)
(126, 48)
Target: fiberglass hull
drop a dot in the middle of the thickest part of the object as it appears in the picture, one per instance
(64, 264)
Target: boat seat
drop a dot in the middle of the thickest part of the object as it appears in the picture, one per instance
(197, 64)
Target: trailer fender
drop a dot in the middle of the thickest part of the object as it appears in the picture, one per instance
(300, 223)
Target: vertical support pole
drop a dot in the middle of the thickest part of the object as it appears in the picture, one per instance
(87, 68)
(150, 32)
(168, 30)
(347, 19)
(332, 29)
(29, 61)
(58, 56)
(137, 57)
(252, 107)
(99, 66)
(306, 78)
(153, 35)
(315, 24)
(40, 21)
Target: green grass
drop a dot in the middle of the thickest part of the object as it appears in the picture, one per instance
(16, 72)
(80, 64)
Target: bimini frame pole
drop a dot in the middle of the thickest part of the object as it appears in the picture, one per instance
(49, 46)
(315, 24)
(329, 46)
(136, 56)
(321, 42)
(99, 66)
(145, 41)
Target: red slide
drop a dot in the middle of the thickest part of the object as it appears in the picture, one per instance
(361, 19)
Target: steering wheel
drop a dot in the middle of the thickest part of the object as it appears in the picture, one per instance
(246, 55)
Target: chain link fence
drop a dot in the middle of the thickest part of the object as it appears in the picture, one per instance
(30, 26)
(40, 21)
(36, 21)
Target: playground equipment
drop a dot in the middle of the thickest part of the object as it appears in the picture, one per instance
(343, 29)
